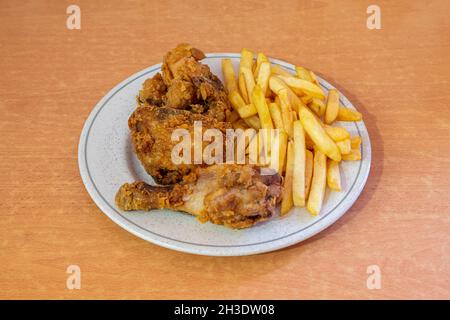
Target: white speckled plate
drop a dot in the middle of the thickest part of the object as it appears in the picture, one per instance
(107, 161)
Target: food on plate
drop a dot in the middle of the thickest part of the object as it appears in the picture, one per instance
(332, 109)
(318, 183)
(151, 133)
(346, 114)
(318, 135)
(333, 175)
(186, 84)
(232, 195)
(290, 162)
(287, 201)
(299, 175)
(296, 101)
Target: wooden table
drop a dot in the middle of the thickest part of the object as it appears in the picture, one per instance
(51, 78)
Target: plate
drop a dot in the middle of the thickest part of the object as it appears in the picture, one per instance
(106, 161)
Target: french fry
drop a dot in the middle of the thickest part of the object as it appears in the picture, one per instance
(263, 76)
(264, 145)
(314, 77)
(253, 122)
(275, 113)
(346, 114)
(309, 160)
(276, 69)
(229, 75)
(249, 82)
(261, 106)
(355, 142)
(298, 180)
(333, 175)
(303, 73)
(354, 155)
(287, 201)
(276, 84)
(337, 133)
(245, 68)
(318, 106)
(318, 183)
(238, 104)
(286, 109)
(318, 134)
(307, 87)
(246, 60)
(278, 151)
(260, 58)
(306, 99)
(344, 146)
(332, 110)
(243, 87)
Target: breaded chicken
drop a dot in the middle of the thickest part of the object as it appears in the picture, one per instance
(151, 131)
(236, 196)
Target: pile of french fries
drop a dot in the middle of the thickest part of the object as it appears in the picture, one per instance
(266, 96)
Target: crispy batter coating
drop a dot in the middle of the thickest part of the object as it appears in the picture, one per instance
(236, 196)
(151, 132)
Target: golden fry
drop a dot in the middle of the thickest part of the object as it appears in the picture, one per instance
(277, 70)
(314, 77)
(276, 85)
(337, 133)
(354, 155)
(275, 113)
(318, 106)
(260, 58)
(229, 75)
(332, 110)
(298, 180)
(306, 99)
(286, 111)
(287, 201)
(243, 87)
(253, 122)
(303, 73)
(261, 106)
(318, 134)
(318, 184)
(278, 151)
(346, 114)
(238, 104)
(309, 161)
(307, 87)
(355, 142)
(344, 146)
(263, 76)
(333, 175)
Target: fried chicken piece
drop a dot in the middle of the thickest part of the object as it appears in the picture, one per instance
(153, 91)
(186, 84)
(236, 196)
(151, 131)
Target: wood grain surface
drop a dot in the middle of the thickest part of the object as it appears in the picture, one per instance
(51, 78)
